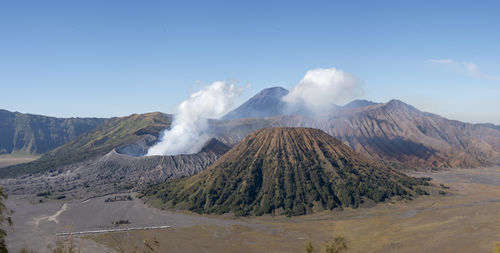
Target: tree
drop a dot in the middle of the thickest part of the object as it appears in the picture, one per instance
(4, 212)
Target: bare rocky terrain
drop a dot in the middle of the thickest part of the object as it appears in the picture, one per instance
(114, 172)
(36, 224)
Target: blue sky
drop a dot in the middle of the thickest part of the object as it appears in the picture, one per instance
(114, 58)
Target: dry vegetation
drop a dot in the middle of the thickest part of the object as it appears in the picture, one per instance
(4, 218)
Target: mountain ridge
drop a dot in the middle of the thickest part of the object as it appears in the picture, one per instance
(117, 132)
(33, 134)
(358, 103)
(393, 131)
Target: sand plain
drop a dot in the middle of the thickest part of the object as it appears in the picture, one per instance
(13, 159)
(465, 219)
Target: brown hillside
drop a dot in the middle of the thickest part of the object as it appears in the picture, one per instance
(394, 132)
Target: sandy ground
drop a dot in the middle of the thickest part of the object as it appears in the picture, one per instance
(36, 224)
(7, 160)
(466, 219)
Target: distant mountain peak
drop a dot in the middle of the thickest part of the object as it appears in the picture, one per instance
(490, 125)
(272, 91)
(396, 102)
(400, 105)
(358, 103)
(266, 103)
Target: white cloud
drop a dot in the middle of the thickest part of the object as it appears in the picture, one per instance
(187, 134)
(321, 88)
(465, 67)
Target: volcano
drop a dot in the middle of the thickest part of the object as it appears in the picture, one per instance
(264, 104)
(290, 171)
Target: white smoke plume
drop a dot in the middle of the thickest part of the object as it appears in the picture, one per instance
(321, 89)
(186, 135)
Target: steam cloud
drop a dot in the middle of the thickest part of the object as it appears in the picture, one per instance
(186, 135)
(320, 89)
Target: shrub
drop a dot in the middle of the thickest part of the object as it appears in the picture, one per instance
(337, 245)
(44, 194)
(309, 247)
(4, 212)
(121, 222)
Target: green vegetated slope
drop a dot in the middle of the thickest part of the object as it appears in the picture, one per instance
(286, 170)
(36, 134)
(116, 132)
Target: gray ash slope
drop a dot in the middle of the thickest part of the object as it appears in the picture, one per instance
(116, 172)
(116, 168)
